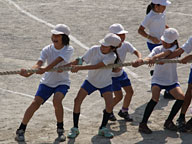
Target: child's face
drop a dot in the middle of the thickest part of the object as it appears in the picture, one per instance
(160, 8)
(122, 36)
(57, 40)
(166, 45)
(105, 49)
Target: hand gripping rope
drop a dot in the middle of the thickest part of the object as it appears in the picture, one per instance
(108, 66)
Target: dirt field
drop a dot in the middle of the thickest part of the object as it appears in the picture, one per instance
(25, 29)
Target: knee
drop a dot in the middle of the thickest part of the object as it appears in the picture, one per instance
(181, 97)
(119, 98)
(36, 104)
(77, 101)
(57, 103)
(130, 93)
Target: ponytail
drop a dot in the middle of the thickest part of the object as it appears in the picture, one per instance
(150, 7)
(117, 60)
(175, 43)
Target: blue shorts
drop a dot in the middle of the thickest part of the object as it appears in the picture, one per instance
(90, 88)
(151, 46)
(190, 77)
(45, 92)
(121, 81)
(167, 88)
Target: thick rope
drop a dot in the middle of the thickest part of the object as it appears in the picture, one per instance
(108, 66)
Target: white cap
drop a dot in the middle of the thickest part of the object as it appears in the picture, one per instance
(170, 35)
(117, 29)
(111, 40)
(61, 29)
(161, 2)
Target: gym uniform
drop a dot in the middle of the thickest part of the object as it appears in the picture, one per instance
(120, 79)
(53, 82)
(165, 75)
(99, 79)
(187, 47)
(155, 23)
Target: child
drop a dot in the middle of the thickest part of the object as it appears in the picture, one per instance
(187, 47)
(156, 24)
(97, 79)
(119, 76)
(165, 77)
(56, 54)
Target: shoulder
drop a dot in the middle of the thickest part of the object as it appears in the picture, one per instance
(94, 48)
(158, 48)
(47, 48)
(69, 48)
(126, 43)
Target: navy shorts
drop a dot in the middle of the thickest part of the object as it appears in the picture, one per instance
(167, 88)
(45, 92)
(151, 46)
(121, 81)
(90, 88)
(190, 77)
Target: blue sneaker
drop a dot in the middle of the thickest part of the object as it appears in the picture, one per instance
(105, 132)
(73, 133)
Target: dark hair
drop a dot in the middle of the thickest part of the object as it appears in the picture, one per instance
(175, 43)
(117, 60)
(150, 7)
(65, 39)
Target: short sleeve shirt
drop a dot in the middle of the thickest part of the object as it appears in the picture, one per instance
(155, 23)
(187, 47)
(48, 55)
(165, 74)
(125, 48)
(99, 78)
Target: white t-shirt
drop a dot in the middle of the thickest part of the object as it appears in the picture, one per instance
(187, 47)
(155, 23)
(99, 78)
(49, 54)
(165, 74)
(122, 52)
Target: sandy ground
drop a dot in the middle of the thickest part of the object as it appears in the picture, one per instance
(23, 35)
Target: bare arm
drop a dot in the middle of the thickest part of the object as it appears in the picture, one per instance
(142, 32)
(162, 55)
(36, 66)
(186, 59)
(50, 66)
(176, 53)
(76, 68)
(139, 61)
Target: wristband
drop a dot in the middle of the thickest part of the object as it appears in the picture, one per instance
(80, 60)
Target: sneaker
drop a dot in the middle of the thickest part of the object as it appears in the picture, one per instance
(188, 125)
(73, 133)
(143, 128)
(170, 125)
(112, 117)
(20, 135)
(105, 132)
(167, 95)
(125, 115)
(181, 124)
(61, 137)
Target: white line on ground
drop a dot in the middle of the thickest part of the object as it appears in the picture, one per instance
(31, 96)
(134, 75)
